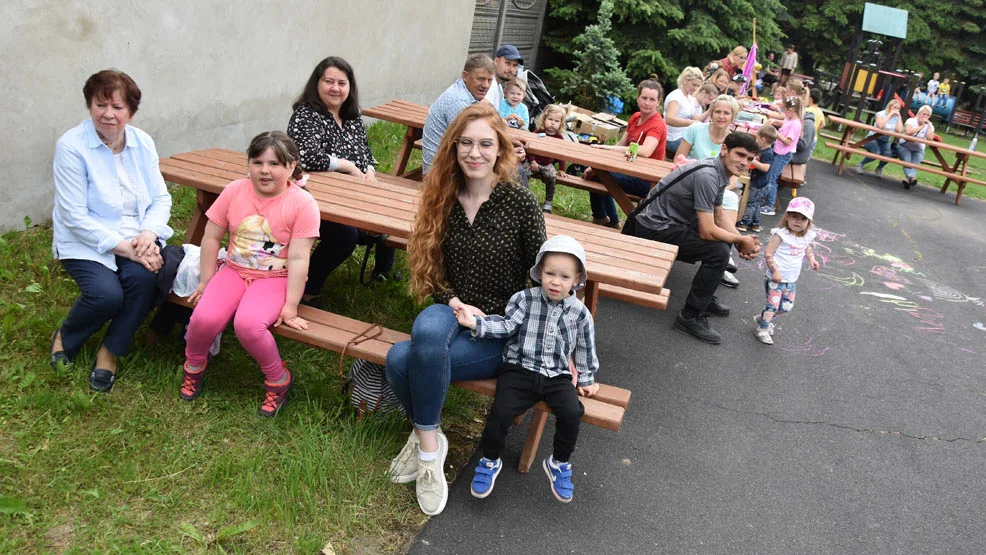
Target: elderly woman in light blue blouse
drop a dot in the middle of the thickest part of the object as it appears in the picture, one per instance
(110, 218)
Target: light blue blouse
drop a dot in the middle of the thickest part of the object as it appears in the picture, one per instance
(88, 210)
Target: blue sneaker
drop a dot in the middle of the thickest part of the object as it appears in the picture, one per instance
(486, 473)
(561, 480)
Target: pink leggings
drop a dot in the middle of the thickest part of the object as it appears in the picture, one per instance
(256, 305)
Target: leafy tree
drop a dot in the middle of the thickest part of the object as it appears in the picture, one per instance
(663, 36)
(597, 73)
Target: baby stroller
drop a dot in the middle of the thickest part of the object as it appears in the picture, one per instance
(537, 97)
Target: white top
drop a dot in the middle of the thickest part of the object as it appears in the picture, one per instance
(790, 254)
(495, 94)
(688, 106)
(921, 134)
(129, 222)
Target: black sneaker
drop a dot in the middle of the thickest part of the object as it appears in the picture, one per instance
(716, 308)
(698, 328)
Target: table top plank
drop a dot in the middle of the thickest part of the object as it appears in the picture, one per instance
(388, 206)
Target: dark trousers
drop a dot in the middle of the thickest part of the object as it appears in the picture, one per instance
(336, 242)
(517, 389)
(123, 298)
(714, 256)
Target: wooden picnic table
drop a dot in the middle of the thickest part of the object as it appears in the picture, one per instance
(956, 171)
(621, 267)
(602, 161)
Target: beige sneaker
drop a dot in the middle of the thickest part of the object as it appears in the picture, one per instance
(764, 336)
(404, 467)
(431, 487)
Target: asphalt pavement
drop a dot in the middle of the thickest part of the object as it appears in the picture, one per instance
(860, 431)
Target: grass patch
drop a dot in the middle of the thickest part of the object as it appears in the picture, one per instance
(140, 471)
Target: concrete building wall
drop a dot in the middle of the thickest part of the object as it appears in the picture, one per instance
(213, 73)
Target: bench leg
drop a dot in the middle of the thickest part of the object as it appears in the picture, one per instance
(617, 192)
(404, 154)
(591, 298)
(196, 226)
(530, 452)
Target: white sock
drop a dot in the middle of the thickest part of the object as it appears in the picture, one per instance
(555, 464)
(426, 457)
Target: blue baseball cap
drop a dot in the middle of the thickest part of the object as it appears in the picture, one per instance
(509, 52)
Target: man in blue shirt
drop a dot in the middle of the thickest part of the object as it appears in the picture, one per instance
(476, 80)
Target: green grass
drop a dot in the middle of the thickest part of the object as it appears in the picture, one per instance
(976, 167)
(141, 471)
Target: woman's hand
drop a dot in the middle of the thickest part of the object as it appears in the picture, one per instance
(371, 176)
(345, 166)
(153, 262)
(146, 243)
(455, 304)
(289, 317)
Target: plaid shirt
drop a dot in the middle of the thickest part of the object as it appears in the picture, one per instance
(544, 334)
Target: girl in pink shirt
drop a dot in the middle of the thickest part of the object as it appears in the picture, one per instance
(272, 224)
(784, 147)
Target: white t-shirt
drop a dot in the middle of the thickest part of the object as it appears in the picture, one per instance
(790, 254)
(495, 94)
(921, 134)
(687, 107)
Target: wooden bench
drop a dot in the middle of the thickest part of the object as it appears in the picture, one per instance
(577, 182)
(960, 180)
(334, 332)
(964, 118)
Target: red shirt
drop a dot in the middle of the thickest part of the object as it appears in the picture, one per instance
(653, 127)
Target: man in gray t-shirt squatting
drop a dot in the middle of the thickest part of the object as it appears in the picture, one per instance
(689, 214)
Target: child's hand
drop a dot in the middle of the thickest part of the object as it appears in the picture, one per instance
(534, 166)
(196, 295)
(776, 277)
(465, 317)
(289, 317)
(814, 263)
(588, 390)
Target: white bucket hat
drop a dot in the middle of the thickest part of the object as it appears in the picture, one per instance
(564, 244)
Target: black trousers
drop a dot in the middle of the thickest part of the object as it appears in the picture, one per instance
(336, 242)
(517, 389)
(714, 256)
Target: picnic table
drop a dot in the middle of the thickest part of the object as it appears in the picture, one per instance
(956, 171)
(602, 161)
(620, 267)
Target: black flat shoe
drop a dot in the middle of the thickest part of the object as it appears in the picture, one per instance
(58, 357)
(101, 380)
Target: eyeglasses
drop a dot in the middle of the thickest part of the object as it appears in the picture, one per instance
(466, 145)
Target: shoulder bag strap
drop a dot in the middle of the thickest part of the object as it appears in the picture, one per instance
(650, 198)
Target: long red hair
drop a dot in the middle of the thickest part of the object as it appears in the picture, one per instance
(440, 193)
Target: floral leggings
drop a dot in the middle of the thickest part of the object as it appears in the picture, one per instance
(546, 173)
(780, 299)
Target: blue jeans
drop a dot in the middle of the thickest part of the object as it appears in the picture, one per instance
(912, 156)
(439, 352)
(603, 206)
(881, 146)
(671, 148)
(776, 167)
(123, 298)
(752, 214)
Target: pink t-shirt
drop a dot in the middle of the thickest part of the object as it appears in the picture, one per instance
(791, 128)
(261, 228)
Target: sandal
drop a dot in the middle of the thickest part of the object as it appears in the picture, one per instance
(101, 380)
(59, 357)
(191, 384)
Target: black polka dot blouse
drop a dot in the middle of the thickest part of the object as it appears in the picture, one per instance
(486, 262)
(322, 142)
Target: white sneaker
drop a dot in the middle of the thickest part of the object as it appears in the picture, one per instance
(764, 336)
(729, 280)
(431, 487)
(858, 168)
(878, 172)
(770, 326)
(767, 211)
(404, 467)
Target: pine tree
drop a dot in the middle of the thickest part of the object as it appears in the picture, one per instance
(597, 73)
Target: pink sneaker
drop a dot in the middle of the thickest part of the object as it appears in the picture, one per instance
(191, 385)
(276, 395)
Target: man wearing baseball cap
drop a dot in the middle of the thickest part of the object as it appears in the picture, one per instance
(507, 61)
